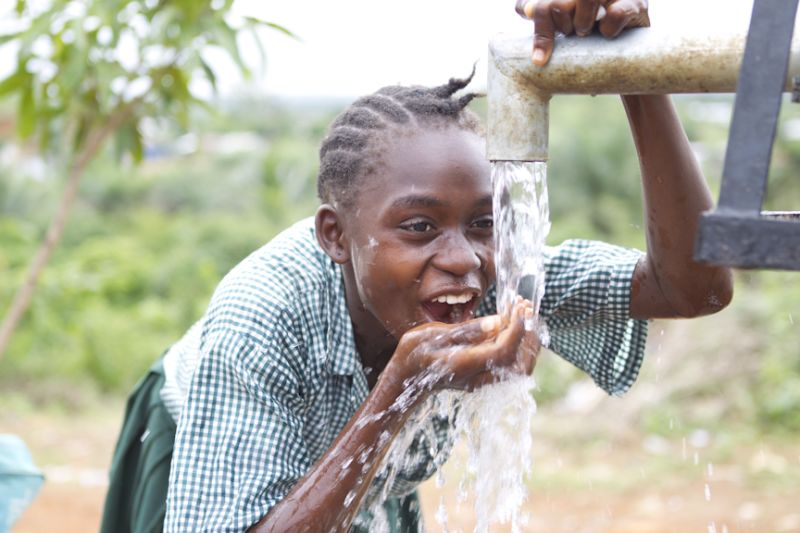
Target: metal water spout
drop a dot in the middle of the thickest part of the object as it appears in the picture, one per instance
(663, 59)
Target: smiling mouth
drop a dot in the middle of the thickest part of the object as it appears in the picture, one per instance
(451, 308)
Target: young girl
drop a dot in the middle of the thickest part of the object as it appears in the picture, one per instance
(311, 355)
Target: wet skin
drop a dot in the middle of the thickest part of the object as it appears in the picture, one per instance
(421, 229)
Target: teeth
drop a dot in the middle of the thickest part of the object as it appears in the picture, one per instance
(453, 299)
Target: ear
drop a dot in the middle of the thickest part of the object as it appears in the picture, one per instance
(330, 233)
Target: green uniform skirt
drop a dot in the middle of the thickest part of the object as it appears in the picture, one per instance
(137, 494)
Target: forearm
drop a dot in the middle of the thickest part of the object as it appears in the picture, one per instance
(329, 496)
(675, 195)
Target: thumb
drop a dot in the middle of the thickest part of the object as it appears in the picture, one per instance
(544, 34)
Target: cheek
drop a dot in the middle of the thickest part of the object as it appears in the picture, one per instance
(365, 268)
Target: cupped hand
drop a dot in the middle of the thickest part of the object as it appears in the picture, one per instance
(579, 17)
(467, 355)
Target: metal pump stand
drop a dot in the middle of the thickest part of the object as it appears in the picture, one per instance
(737, 233)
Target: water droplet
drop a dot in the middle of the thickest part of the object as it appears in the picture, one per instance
(349, 498)
(441, 515)
(710, 470)
(708, 492)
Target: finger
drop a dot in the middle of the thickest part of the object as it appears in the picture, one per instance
(562, 14)
(527, 355)
(502, 351)
(528, 352)
(618, 16)
(475, 331)
(585, 16)
(544, 34)
(474, 358)
(621, 14)
(524, 8)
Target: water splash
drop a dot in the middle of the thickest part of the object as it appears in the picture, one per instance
(521, 224)
(496, 420)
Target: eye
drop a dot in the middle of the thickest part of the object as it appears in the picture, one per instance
(484, 223)
(418, 226)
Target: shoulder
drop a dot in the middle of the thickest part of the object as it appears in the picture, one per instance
(275, 290)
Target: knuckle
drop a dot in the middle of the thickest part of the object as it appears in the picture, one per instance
(541, 12)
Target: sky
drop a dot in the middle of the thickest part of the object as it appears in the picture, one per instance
(353, 47)
(347, 48)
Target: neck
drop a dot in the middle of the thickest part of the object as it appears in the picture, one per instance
(374, 343)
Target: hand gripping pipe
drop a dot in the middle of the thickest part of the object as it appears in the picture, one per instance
(677, 57)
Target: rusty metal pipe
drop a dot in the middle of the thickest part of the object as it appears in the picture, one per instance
(658, 60)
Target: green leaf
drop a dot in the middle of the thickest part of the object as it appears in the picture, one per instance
(46, 131)
(81, 133)
(262, 55)
(72, 67)
(8, 37)
(12, 83)
(128, 140)
(137, 150)
(26, 119)
(212, 78)
(225, 36)
(258, 22)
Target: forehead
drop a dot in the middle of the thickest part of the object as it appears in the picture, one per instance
(441, 161)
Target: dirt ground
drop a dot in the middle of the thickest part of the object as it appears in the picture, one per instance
(609, 484)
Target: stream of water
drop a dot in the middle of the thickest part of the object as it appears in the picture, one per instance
(494, 422)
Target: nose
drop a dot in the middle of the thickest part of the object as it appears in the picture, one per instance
(457, 255)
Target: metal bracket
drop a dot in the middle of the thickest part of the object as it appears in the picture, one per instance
(737, 233)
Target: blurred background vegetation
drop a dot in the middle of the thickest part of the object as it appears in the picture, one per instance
(147, 244)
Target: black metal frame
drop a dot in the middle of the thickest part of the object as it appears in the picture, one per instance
(738, 233)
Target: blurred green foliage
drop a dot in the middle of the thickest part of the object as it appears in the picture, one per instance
(148, 244)
(84, 67)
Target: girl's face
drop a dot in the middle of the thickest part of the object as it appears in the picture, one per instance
(420, 234)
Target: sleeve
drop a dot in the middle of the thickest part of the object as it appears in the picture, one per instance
(239, 447)
(586, 307)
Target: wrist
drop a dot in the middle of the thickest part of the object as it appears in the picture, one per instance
(400, 388)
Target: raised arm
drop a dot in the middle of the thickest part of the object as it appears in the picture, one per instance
(668, 282)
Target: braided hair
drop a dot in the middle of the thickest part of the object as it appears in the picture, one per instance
(351, 150)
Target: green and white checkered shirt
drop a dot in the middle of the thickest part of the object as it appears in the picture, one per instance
(278, 375)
